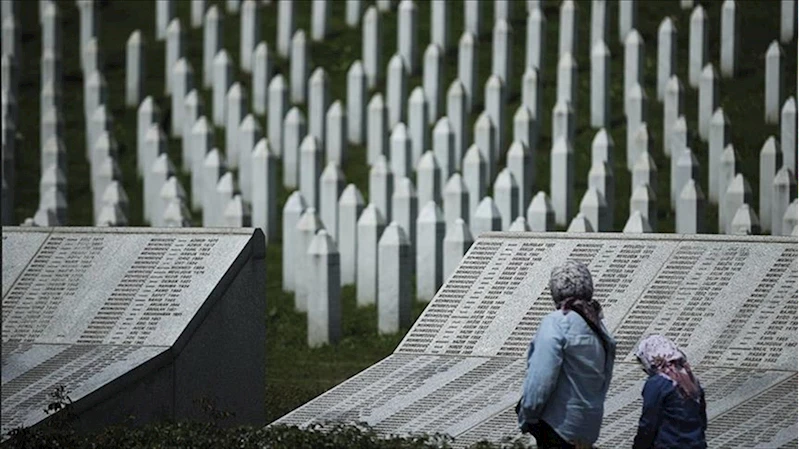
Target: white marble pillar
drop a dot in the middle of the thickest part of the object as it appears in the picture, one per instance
(324, 298)
(774, 83)
(320, 19)
(457, 242)
(690, 211)
(667, 55)
(336, 134)
(770, 162)
(278, 106)
(562, 180)
(467, 67)
(600, 85)
(311, 159)
(400, 152)
(250, 34)
(350, 206)
(407, 35)
(294, 131)
(394, 281)
(417, 124)
(213, 33)
(381, 186)
(134, 69)
(475, 176)
(506, 195)
(718, 138)
(428, 178)
(430, 231)
(261, 77)
(318, 102)
(521, 163)
(331, 185)
(285, 27)
(356, 103)
(432, 81)
(396, 91)
(370, 227)
(698, 43)
(298, 67)
(371, 46)
(223, 79)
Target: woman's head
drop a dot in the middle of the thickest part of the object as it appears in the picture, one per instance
(571, 280)
(660, 356)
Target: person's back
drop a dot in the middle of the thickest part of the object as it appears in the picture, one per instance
(674, 411)
(569, 366)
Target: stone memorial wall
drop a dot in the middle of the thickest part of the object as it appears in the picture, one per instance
(132, 322)
(730, 303)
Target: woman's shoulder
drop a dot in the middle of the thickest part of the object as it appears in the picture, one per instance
(660, 383)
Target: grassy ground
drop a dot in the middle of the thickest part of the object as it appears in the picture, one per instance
(296, 374)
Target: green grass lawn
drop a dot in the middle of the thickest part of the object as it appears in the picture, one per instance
(296, 374)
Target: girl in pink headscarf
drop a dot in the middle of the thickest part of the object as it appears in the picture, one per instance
(674, 412)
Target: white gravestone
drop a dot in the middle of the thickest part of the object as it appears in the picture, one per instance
(318, 102)
(307, 227)
(370, 227)
(495, 91)
(202, 141)
(212, 43)
(708, 99)
(594, 207)
(175, 50)
(475, 176)
(636, 110)
(371, 46)
(401, 157)
(235, 110)
(644, 201)
(530, 88)
(698, 43)
(486, 218)
(690, 213)
(738, 192)
(729, 165)
(324, 299)
(602, 147)
(394, 281)
(580, 223)
(600, 177)
(787, 20)
(430, 230)
(278, 107)
(356, 103)
(457, 242)
(506, 195)
(261, 76)
(336, 133)
(428, 178)
(667, 55)
(536, 39)
(633, 61)
(730, 35)
(567, 32)
(484, 139)
(407, 35)
(223, 79)
(645, 171)
(501, 51)
(231, 211)
(213, 168)
(377, 129)
(182, 84)
(134, 69)
(417, 124)
(788, 133)
(250, 34)
(562, 180)
(193, 108)
(285, 27)
(525, 128)
(599, 22)
(331, 185)
(353, 13)
(350, 206)
(432, 80)
(250, 133)
(567, 80)
(472, 18)
(115, 194)
(396, 90)
(171, 191)
(789, 220)
(320, 19)
(444, 149)
(298, 67)
(294, 130)
(467, 67)
(600, 84)
(381, 186)
(672, 110)
(745, 222)
(519, 225)
(563, 121)
(718, 138)
(405, 210)
(521, 163)
(637, 224)
(456, 199)
(164, 13)
(292, 211)
(197, 12)
(687, 168)
(774, 82)
(770, 163)
(311, 159)
(783, 192)
(628, 17)
(154, 146)
(160, 171)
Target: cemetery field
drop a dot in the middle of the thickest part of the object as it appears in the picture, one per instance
(295, 373)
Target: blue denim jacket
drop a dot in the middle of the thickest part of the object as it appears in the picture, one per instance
(568, 375)
(668, 420)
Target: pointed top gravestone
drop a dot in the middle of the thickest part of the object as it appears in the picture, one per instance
(637, 224)
(580, 223)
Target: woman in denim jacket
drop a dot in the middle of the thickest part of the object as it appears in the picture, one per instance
(674, 415)
(569, 365)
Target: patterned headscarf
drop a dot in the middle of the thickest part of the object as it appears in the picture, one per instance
(661, 356)
(572, 289)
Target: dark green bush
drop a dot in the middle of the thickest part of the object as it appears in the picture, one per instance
(211, 436)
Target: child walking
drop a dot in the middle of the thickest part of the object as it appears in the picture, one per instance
(674, 414)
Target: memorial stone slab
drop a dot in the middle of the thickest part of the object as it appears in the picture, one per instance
(789, 220)
(595, 208)
(115, 195)
(170, 192)
(540, 214)
(350, 206)
(226, 190)
(745, 222)
(111, 215)
(600, 177)
(687, 168)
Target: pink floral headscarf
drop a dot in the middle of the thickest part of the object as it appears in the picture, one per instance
(661, 356)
